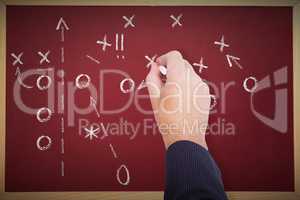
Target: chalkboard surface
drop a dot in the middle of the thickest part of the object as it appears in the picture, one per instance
(77, 113)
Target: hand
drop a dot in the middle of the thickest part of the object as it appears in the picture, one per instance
(181, 104)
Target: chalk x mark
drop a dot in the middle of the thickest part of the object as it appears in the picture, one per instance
(150, 60)
(104, 43)
(200, 65)
(17, 58)
(176, 20)
(44, 57)
(129, 21)
(221, 43)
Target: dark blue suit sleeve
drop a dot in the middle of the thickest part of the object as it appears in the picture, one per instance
(192, 174)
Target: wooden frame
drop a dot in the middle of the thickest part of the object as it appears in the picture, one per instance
(151, 195)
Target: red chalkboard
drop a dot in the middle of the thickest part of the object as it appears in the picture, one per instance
(56, 56)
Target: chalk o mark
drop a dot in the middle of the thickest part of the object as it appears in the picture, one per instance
(214, 102)
(82, 84)
(245, 85)
(131, 85)
(43, 147)
(43, 87)
(126, 182)
(42, 110)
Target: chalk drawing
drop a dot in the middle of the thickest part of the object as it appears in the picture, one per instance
(62, 125)
(43, 87)
(62, 167)
(17, 58)
(122, 57)
(150, 60)
(44, 57)
(43, 147)
(129, 21)
(126, 182)
(245, 84)
(142, 85)
(19, 79)
(93, 103)
(131, 85)
(200, 65)
(104, 43)
(62, 54)
(113, 151)
(82, 84)
(105, 133)
(62, 25)
(91, 133)
(93, 59)
(234, 59)
(41, 111)
(62, 145)
(221, 43)
(121, 41)
(176, 20)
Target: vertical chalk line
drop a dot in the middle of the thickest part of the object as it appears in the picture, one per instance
(122, 42)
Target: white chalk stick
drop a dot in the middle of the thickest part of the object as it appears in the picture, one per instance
(163, 70)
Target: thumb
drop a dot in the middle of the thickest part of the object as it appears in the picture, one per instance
(154, 85)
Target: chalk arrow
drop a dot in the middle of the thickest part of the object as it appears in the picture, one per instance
(18, 74)
(62, 25)
(234, 59)
(93, 103)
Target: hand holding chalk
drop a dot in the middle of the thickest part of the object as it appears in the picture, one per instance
(181, 102)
